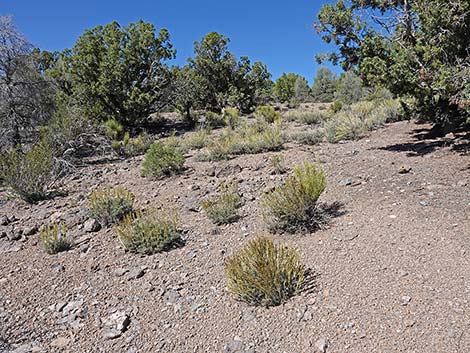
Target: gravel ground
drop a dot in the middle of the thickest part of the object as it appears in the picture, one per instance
(392, 268)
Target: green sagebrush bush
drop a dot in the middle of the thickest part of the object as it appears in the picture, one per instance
(54, 238)
(308, 137)
(231, 117)
(222, 209)
(162, 160)
(28, 173)
(292, 206)
(110, 205)
(264, 273)
(278, 164)
(304, 116)
(149, 232)
(268, 114)
(133, 146)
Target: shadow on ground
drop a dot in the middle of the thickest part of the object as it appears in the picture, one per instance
(428, 140)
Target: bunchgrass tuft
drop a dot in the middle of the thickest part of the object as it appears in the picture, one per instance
(109, 205)
(54, 238)
(223, 208)
(264, 273)
(308, 137)
(149, 232)
(268, 114)
(293, 207)
(305, 116)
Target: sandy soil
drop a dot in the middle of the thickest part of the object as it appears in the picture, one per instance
(392, 270)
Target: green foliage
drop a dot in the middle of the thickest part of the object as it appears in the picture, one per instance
(135, 146)
(149, 232)
(119, 72)
(293, 206)
(110, 205)
(222, 209)
(231, 117)
(113, 129)
(308, 137)
(264, 273)
(224, 81)
(349, 89)
(278, 164)
(324, 86)
(301, 90)
(162, 160)
(213, 120)
(421, 51)
(268, 114)
(284, 88)
(29, 174)
(304, 116)
(54, 238)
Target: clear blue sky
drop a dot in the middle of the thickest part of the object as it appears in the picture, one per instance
(279, 33)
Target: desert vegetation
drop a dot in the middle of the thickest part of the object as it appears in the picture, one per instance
(183, 170)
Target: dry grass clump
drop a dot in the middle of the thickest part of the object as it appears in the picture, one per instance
(264, 273)
(308, 137)
(247, 138)
(149, 232)
(54, 238)
(29, 174)
(293, 206)
(278, 164)
(110, 205)
(307, 117)
(198, 139)
(162, 160)
(223, 208)
(354, 121)
(231, 117)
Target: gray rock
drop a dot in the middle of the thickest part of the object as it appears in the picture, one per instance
(91, 226)
(135, 273)
(4, 220)
(3, 234)
(321, 345)
(119, 272)
(115, 325)
(345, 182)
(60, 342)
(234, 346)
(14, 234)
(30, 230)
(405, 300)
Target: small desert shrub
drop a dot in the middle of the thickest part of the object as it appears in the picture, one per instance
(304, 116)
(354, 121)
(310, 137)
(54, 238)
(133, 146)
(28, 174)
(231, 117)
(197, 140)
(114, 130)
(213, 120)
(268, 114)
(110, 205)
(222, 209)
(278, 164)
(162, 160)
(264, 273)
(148, 232)
(293, 206)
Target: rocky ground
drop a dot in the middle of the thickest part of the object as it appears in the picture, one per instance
(392, 270)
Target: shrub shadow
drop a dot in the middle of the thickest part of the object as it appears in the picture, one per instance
(310, 281)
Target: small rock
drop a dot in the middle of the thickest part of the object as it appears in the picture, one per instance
(404, 170)
(14, 234)
(92, 225)
(345, 182)
(120, 272)
(60, 342)
(462, 183)
(30, 230)
(405, 300)
(234, 346)
(423, 203)
(135, 273)
(321, 345)
(4, 220)
(3, 234)
(115, 325)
